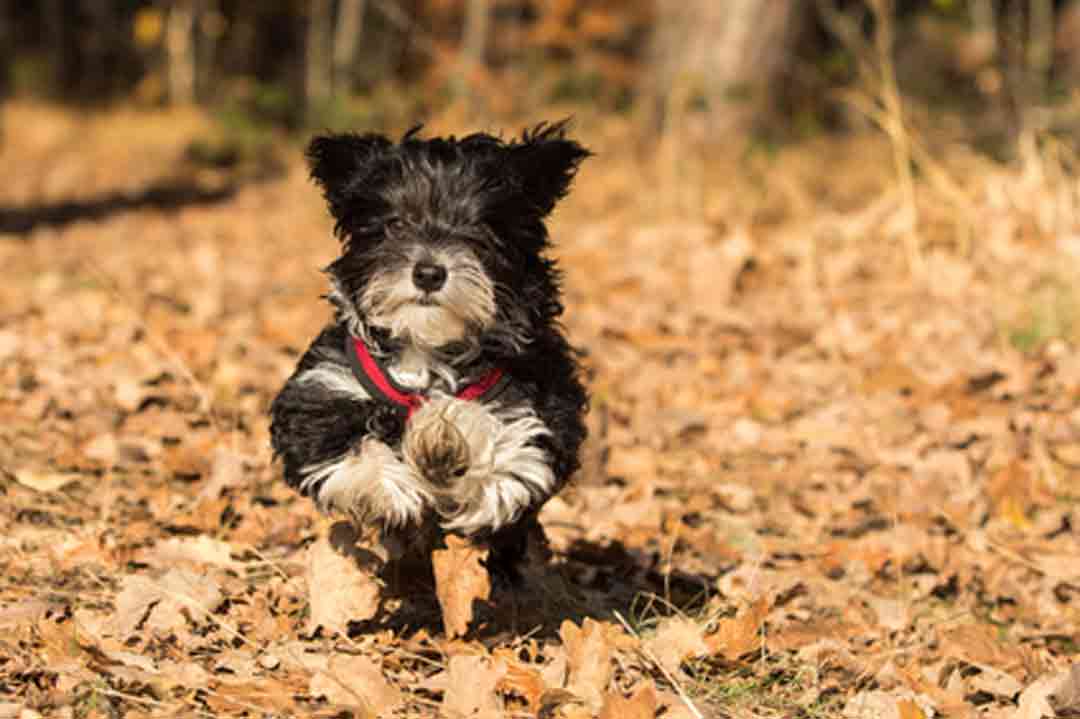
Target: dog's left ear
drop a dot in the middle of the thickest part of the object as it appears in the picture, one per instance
(545, 163)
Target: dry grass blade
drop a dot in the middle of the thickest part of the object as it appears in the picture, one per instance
(674, 681)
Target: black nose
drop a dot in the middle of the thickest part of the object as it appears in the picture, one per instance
(428, 276)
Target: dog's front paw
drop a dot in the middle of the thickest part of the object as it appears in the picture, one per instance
(483, 466)
(370, 485)
(437, 451)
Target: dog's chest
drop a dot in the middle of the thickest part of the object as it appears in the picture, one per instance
(416, 371)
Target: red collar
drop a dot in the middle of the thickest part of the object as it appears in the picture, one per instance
(382, 386)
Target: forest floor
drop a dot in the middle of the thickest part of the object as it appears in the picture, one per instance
(833, 472)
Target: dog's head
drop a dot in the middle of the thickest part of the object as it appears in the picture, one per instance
(444, 239)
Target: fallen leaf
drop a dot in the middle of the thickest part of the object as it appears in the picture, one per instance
(355, 680)
(676, 639)
(1066, 697)
(907, 709)
(226, 472)
(201, 549)
(525, 682)
(553, 700)
(736, 636)
(45, 481)
(589, 653)
(555, 670)
(460, 579)
(1010, 490)
(163, 604)
(642, 704)
(1036, 700)
(103, 449)
(880, 704)
(994, 682)
(341, 588)
(472, 681)
(9, 343)
(22, 613)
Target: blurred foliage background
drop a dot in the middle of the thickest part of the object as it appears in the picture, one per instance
(769, 70)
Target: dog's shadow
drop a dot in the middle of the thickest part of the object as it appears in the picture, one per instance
(585, 580)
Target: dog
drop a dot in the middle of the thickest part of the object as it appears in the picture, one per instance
(443, 396)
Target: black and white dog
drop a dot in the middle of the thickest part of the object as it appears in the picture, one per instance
(444, 394)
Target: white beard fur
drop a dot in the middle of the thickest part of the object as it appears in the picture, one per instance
(464, 303)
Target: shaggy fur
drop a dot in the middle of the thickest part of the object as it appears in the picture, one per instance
(443, 276)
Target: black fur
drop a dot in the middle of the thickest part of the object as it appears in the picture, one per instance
(490, 195)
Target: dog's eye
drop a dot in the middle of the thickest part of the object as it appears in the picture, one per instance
(394, 224)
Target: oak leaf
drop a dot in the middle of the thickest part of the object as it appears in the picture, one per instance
(589, 652)
(676, 639)
(524, 682)
(355, 680)
(642, 704)
(736, 636)
(163, 604)
(460, 579)
(341, 588)
(471, 684)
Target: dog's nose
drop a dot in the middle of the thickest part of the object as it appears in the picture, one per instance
(428, 276)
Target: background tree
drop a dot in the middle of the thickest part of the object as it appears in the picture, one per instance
(727, 59)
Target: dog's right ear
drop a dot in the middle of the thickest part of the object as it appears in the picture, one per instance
(337, 159)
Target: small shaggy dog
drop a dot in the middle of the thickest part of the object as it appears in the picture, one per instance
(443, 396)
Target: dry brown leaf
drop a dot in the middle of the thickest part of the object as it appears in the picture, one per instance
(1036, 701)
(978, 644)
(676, 639)
(472, 681)
(163, 604)
(45, 481)
(340, 587)
(22, 613)
(555, 671)
(525, 682)
(1010, 489)
(1062, 567)
(736, 636)
(589, 652)
(355, 680)
(226, 472)
(642, 704)
(1066, 697)
(880, 704)
(907, 709)
(460, 579)
(632, 463)
(200, 549)
(554, 701)
(103, 449)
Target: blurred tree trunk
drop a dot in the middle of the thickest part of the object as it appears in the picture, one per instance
(347, 34)
(59, 48)
(211, 25)
(180, 51)
(727, 58)
(7, 54)
(317, 67)
(473, 44)
(95, 40)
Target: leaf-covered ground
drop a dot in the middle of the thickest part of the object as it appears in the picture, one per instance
(834, 466)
